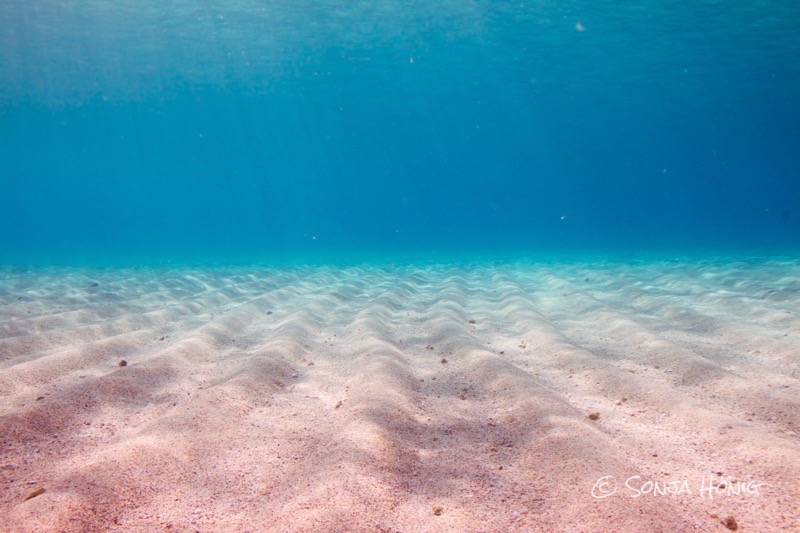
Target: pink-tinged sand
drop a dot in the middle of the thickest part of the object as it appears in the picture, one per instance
(431, 398)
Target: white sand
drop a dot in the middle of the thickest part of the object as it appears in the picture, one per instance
(317, 399)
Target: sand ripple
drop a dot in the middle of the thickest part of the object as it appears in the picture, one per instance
(418, 398)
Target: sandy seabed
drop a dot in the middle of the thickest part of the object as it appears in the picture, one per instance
(660, 396)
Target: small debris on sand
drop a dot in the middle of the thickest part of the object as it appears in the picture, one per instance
(37, 492)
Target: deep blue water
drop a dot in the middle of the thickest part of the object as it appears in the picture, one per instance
(306, 130)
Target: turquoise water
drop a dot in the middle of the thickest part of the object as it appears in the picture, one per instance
(313, 131)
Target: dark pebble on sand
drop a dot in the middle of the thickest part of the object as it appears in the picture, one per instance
(123, 362)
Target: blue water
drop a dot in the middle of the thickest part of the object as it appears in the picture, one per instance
(301, 130)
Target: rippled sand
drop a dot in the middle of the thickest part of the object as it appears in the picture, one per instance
(430, 398)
